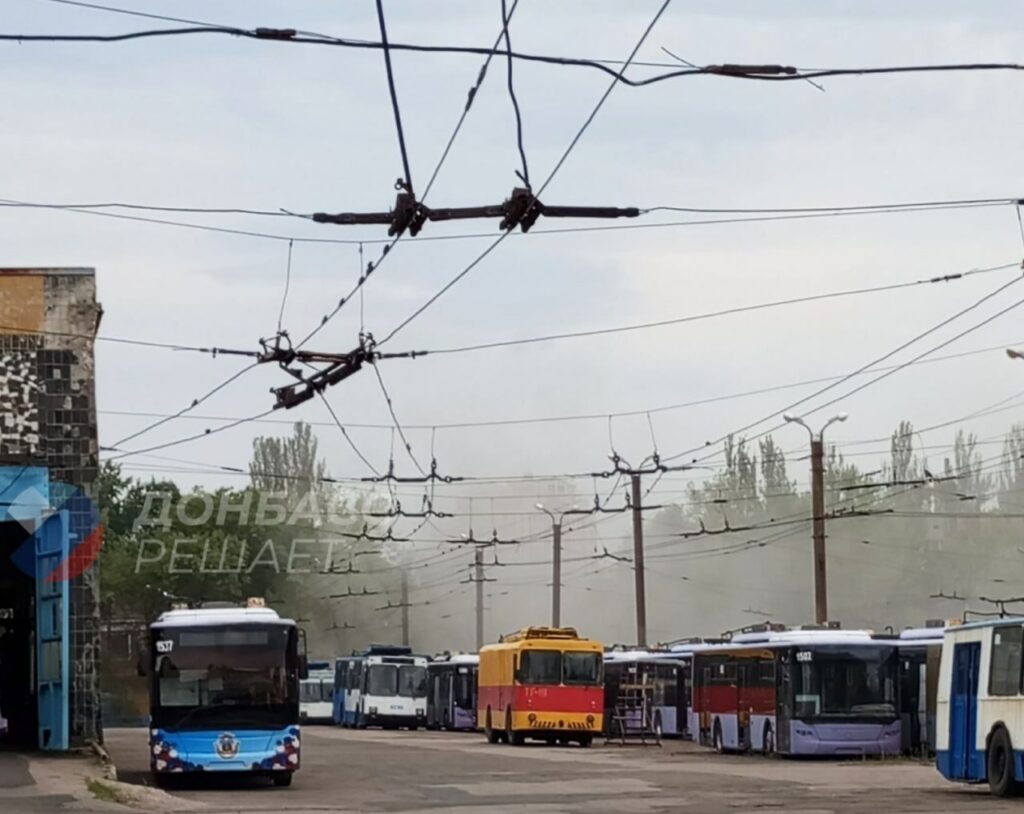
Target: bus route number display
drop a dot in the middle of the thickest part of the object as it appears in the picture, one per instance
(803, 655)
(165, 646)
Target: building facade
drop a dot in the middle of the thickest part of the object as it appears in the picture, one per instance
(48, 444)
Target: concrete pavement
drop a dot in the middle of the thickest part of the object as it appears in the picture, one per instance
(414, 773)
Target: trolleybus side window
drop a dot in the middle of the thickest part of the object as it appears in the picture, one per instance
(1005, 672)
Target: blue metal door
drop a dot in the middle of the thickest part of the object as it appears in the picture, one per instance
(52, 640)
(963, 712)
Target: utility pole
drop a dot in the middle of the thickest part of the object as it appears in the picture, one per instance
(556, 559)
(818, 531)
(818, 512)
(556, 576)
(638, 562)
(478, 578)
(405, 608)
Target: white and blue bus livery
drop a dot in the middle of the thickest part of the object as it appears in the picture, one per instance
(980, 705)
(384, 686)
(224, 692)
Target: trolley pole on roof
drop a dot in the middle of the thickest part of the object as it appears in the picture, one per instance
(638, 562)
(405, 608)
(818, 512)
(478, 578)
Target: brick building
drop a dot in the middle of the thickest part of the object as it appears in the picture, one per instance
(49, 634)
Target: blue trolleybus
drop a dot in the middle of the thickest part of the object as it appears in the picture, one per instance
(224, 692)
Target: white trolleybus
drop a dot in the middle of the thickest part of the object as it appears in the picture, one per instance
(384, 686)
(316, 694)
(980, 705)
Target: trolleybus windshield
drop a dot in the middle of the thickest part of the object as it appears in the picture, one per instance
(224, 676)
(839, 683)
(412, 681)
(556, 667)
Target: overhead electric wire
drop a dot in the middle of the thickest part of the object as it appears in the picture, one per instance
(390, 243)
(407, 179)
(772, 73)
(713, 314)
(195, 403)
(505, 16)
(287, 285)
(397, 424)
(603, 416)
(558, 165)
(490, 235)
(345, 435)
(209, 431)
(863, 368)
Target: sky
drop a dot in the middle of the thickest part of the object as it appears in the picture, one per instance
(213, 121)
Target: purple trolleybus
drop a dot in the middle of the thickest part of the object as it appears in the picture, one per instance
(799, 692)
(451, 692)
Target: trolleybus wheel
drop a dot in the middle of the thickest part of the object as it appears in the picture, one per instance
(769, 738)
(511, 736)
(492, 735)
(283, 779)
(1000, 765)
(716, 739)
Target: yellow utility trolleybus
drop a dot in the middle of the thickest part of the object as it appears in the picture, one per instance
(544, 683)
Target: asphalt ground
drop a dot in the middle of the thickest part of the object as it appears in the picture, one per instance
(405, 772)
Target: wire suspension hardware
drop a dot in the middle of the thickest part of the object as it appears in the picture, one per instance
(520, 209)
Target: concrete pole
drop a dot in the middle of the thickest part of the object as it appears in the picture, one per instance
(818, 512)
(638, 564)
(405, 608)
(556, 574)
(478, 561)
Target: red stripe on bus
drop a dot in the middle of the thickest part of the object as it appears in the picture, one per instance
(543, 698)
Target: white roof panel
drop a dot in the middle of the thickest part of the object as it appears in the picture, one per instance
(199, 617)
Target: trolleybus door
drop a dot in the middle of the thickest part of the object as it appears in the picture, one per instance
(746, 675)
(963, 711)
(783, 700)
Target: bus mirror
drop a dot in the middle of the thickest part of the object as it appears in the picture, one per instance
(303, 668)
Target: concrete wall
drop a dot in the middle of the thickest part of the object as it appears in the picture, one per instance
(48, 318)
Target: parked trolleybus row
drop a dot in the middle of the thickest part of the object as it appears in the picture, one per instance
(229, 687)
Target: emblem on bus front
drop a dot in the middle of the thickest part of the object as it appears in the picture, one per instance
(226, 746)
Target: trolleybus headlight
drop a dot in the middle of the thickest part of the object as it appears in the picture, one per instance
(532, 718)
(590, 720)
(373, 710)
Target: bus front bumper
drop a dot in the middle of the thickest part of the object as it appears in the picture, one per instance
(845, 739)
(210, 750)
(558, 723)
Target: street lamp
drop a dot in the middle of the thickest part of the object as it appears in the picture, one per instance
(556, 559)
(818, 510)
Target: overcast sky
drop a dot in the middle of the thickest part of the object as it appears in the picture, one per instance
(217, 122)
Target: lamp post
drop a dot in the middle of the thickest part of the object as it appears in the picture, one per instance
(818, 511)
(556, 560)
